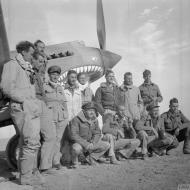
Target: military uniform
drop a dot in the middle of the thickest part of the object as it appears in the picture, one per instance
(152, 134)
(148, 92)
(107, 98)
(47, 128)
(56, 101)
(177, 121)
(17, 84)
(125, 145)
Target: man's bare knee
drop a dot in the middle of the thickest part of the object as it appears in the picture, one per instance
(77, 148)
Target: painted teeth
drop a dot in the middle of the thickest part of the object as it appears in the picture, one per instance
(85, 69)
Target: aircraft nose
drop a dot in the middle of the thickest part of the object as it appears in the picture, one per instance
(110, 59)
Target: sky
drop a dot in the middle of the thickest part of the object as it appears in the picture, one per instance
(148, 34)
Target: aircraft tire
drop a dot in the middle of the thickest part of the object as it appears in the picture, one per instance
(12, 151)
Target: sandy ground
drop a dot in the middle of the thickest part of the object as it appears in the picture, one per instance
(157, 173)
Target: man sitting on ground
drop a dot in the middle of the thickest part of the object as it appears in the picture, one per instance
(151, 132)
(118, 130)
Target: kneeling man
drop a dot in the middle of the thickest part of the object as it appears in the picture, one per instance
(178, 126)
(118, 130)
(152, 133)
(85, 135)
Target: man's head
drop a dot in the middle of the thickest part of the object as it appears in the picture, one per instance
(54, 73)
(39, 46)
(72, 77)
(90, 110)
(147, 76)
(128, 79)
(25, 48)
(110, 77)
(82, 78)
(38, 59)
(153, 110)
(121, 110)
(174, 105)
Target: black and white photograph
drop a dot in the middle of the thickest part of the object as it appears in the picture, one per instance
(94, 95)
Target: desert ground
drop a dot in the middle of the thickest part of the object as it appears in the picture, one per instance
(156, 173)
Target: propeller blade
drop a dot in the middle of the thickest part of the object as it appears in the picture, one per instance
(110, 59)
(101, 31)
(4, 46)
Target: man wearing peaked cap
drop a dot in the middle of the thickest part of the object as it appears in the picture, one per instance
(56, 102)
(152, 106)
(151, 132)
(54, 69)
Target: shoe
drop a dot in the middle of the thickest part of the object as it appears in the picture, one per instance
(48, 171)
(113, 160)
(37, 173)
(91, 161)
(170, 152)
(186, 151)
(145, 156)
(33, 180)
(103, 160)
(58, 166)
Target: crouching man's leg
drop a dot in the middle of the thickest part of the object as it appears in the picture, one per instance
(143, 137)
(126, 147)
(76, 151)
(98, 150)
(159, 146)
(184, 134)
(111, 152)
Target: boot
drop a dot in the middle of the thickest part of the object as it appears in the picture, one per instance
(113, 160)
(186, 146)
(33, 180)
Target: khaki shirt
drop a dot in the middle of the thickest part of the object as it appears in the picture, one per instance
(56, 100)
(149, 91)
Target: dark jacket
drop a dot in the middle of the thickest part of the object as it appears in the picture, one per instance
(148, 91)
(113, 123)
(106, 98)
(173, 121)
(83, 131)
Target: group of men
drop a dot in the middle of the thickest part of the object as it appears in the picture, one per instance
(60, 123)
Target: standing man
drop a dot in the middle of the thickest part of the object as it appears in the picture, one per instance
(178, 126)
(74, 104)
(39, 46)
(131, 97)
(85, 135)
(18, 84)
(56, 101)
(107, 95)
(151, 132)
(150, 92)
(118, 130)
(47, 127)
(84, 86)
(73, 95)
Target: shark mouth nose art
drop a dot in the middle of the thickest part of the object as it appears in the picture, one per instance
(89, 70)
